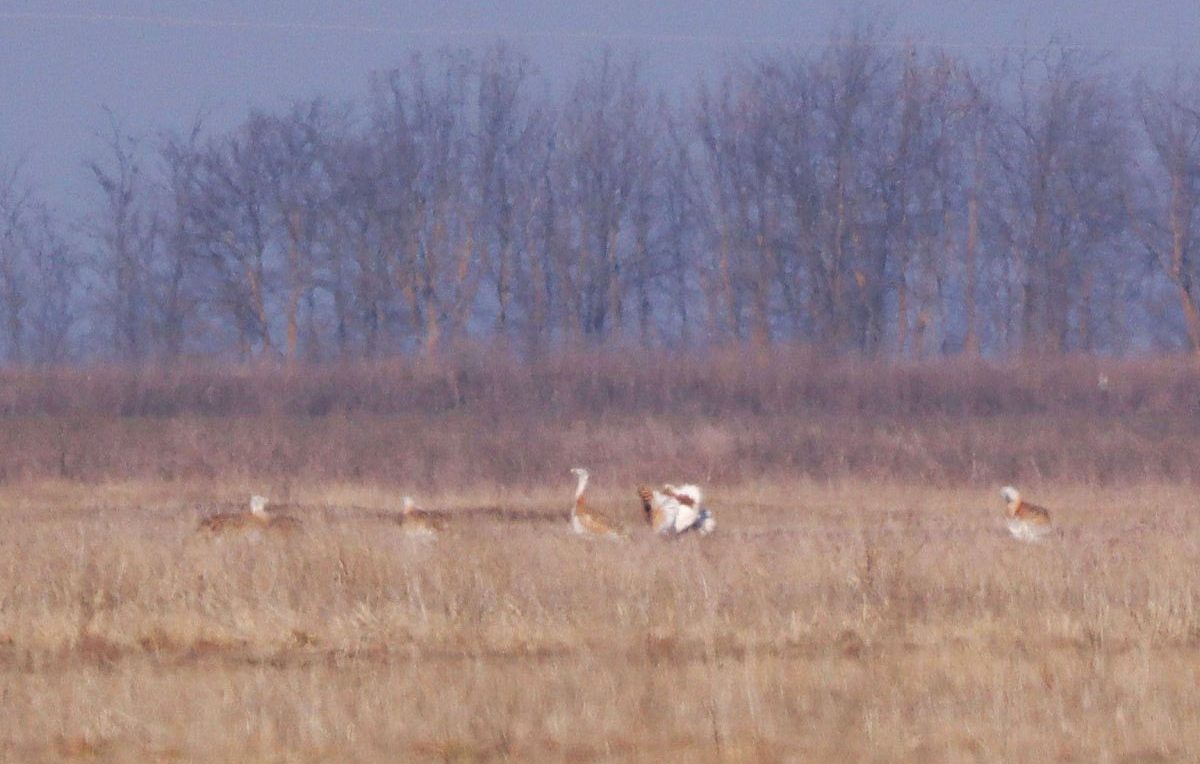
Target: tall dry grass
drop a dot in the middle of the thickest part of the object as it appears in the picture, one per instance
(860, 600)
(825, 621)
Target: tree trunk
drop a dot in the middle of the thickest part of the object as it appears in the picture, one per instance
(1180, 273)
(295, 287)
(258, 305)
(971, 341)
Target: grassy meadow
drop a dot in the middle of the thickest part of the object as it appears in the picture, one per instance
(860, 600)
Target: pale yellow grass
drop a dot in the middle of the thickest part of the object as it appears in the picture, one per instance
(840, 621)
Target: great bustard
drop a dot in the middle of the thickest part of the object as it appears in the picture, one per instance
(1027, 522)
(417, 522)
(257, 519)
(672, 510)
(586, 521)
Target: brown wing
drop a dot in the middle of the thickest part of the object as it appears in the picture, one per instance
(683, 499)
(647, 497)
(1032, 513)
(593, 522)
(225, 521)
(424, 519)
(285, 524)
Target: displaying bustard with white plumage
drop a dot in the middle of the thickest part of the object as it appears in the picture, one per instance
(673, 510)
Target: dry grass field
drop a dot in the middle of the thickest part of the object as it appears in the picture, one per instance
(860, 600)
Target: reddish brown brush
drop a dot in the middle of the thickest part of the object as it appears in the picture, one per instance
(424, 424)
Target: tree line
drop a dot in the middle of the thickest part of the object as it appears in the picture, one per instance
(858, 199)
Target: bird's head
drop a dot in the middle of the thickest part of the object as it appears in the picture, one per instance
(1010, 495)
(579, 472)
(407, 504)
(258, 505)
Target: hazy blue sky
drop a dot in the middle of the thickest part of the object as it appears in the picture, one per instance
(156, 64)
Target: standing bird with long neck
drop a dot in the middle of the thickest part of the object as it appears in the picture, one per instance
(586, 521)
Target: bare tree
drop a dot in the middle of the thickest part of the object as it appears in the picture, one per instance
(230, 214)
(420, 123)
(297, 158)
(860, 198)
(54, 285)
(852, 263)
(180, 157)
(1064, 153)
(735, 125)
(15, 207)
(605, 140)
(125, 234)
(682, 211)
(39, 276)
(508, 152)
(1170, 116)
(973, 102)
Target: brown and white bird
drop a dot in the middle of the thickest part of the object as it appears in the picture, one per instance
(418, 522)
(1027, 522)
(586, 521)
(256, 519)
(673, 510)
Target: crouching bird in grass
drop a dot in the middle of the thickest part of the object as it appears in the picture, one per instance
(586, 521)
(1027, 522)
(675, 510)
(416, 522)
(254, 520)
